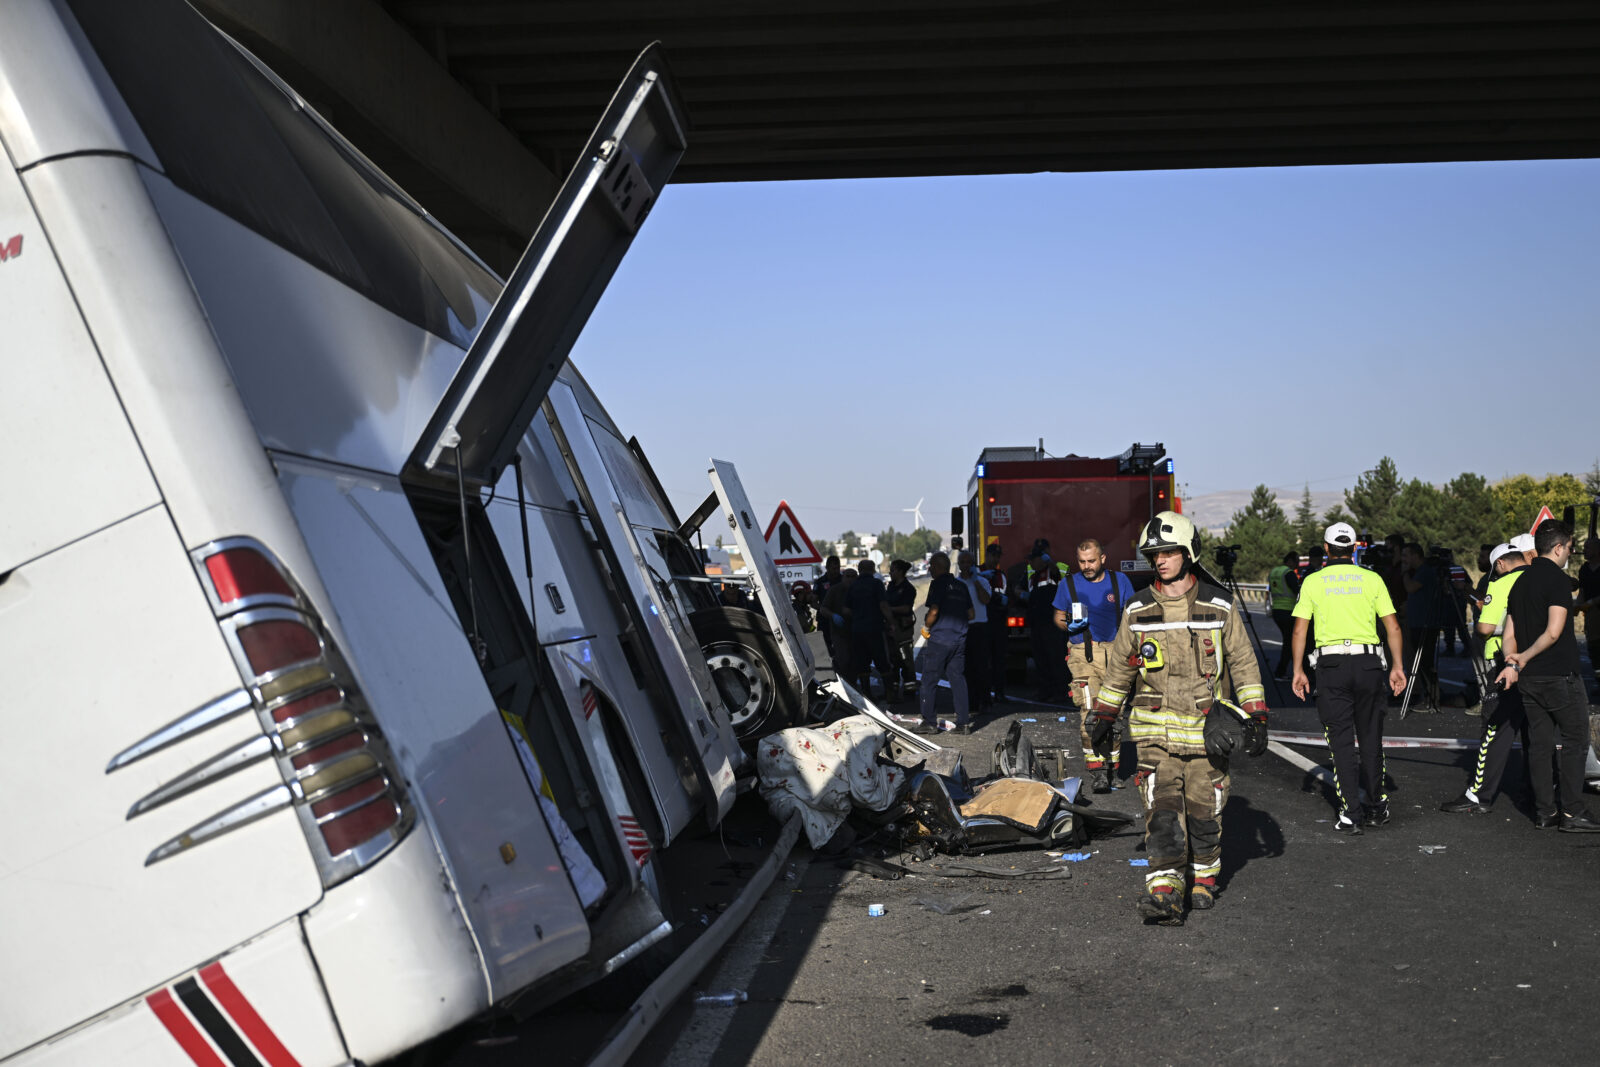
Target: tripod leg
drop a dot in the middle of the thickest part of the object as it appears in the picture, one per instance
(1411, 681)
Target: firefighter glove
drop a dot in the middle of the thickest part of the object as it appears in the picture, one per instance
(1255, 730)
(1077, 626)
(1223, 732)
(1101, 718)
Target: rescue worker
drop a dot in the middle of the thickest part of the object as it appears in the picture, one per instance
(1089, 607)
(1177, 639)
(1507, 718)
(1284, 583)
(1347, 602)
(1041, 575)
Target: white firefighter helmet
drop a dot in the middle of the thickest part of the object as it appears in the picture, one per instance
(1170, 530)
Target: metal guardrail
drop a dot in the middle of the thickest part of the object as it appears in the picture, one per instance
(1253, 592)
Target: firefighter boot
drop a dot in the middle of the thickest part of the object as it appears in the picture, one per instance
(1203, 894)
(1099, 780)
(1162, 906)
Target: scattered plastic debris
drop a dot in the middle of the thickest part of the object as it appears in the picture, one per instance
(1524, 985)
(1401, 966)
(1139, 863)
(1061, 718)
(945, 905)
(1431, 849)
(875, 910)
(727, 997)
(1076, 857)
(1027, 720)
(986, 911)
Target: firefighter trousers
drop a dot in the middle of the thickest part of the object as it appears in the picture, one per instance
(1183, 798)
(1352, 696)
(1087, 674)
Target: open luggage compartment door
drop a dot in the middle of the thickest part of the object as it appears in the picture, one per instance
(526, 336)
(767, 585)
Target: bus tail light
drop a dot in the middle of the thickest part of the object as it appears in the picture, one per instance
(341, 777)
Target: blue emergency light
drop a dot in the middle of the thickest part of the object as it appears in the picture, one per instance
(980, 469)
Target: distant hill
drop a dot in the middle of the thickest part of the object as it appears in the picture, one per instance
(1211, 511)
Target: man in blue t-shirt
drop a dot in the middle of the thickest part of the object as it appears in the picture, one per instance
(944, 628)
(1088, 607)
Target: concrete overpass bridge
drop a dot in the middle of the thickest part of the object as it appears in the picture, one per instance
(477, 107)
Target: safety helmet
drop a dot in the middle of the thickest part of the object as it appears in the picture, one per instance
(1169, 530)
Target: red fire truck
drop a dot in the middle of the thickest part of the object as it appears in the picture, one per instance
(1017, 495)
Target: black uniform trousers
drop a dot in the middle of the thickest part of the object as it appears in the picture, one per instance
(1501, 728)
(978, 656)
(1351, 705)
(1555, 702)
(999, 652)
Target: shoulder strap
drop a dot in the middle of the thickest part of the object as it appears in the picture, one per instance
(1072, 595)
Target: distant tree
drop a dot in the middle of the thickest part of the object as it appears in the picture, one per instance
(849, 543)
(1521, 496)
(1591, 481)
(918, 543)
(825, 548)
(1307, 530)
(1373, 499)
(1337, 513)
(888, 542)
(1472, 517)
(1263, 533)
(1419, 511)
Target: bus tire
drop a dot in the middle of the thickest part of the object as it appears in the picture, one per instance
(748, 671)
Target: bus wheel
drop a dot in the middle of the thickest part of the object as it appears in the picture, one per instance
(747, 669)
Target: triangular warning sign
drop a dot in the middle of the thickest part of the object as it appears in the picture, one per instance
(787, 542)
(1544, 513)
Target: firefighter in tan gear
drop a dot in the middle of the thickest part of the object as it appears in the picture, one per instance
(1178, 640)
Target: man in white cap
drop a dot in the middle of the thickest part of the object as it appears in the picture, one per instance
(1347, 603)
(1507, 719)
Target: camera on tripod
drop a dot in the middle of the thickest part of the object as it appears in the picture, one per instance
(1440, 557)
(1377, 556)
(1227, 556)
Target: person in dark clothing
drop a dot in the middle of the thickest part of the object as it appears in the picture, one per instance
(999, 612)
(870, 622)
(1049, 643)
(978, 643)
(1541, 652)
(901, 596)
(1589, 601)
(1422, 586)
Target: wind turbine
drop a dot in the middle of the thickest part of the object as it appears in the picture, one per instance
(916, 515)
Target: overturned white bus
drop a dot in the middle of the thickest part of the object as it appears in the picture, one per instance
(357, 669)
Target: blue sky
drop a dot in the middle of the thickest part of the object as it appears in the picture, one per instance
(853, 345)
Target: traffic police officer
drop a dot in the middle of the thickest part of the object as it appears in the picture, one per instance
(1178, 640)
(1507, 718)
(1347, 603)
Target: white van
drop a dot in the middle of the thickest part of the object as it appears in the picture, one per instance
(356, 667)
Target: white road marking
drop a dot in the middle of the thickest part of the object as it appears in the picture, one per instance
(699, 1040)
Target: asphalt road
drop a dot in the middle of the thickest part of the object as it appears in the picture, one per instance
(1387, 947)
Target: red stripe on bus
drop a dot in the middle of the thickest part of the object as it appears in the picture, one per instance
(245, 1017)
(182, 1030)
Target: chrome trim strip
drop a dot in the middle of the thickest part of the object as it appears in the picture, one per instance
(246, 811)
(201, 718)
(219, 766)
(383, 794)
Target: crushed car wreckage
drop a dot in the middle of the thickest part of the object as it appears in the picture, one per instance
(856, 781)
